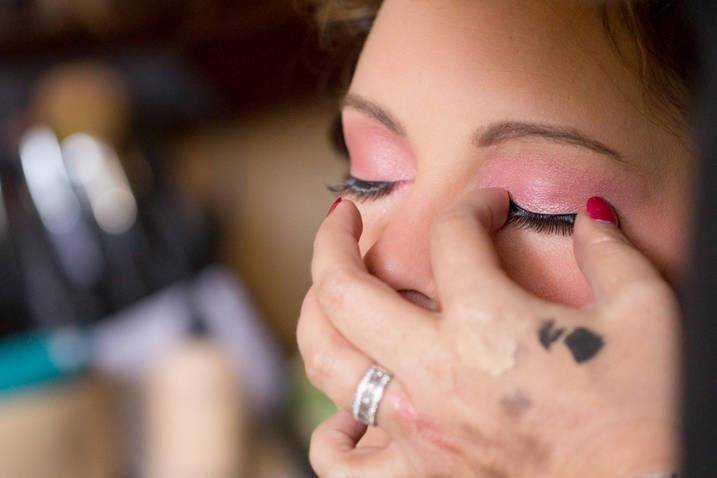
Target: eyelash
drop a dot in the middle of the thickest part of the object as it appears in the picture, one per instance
(553, 224)
(362, 191)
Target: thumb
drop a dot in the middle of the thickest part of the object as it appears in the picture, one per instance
(605, 256)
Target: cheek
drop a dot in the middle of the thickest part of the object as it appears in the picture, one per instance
(662, 232)
(544, 265)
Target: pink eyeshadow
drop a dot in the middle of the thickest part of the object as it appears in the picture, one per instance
(377, 154)
(555, 187)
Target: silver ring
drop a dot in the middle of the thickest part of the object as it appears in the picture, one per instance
(369, 394)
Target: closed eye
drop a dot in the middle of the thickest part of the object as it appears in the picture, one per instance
(364, 190)
(559, 224)
(553, 224)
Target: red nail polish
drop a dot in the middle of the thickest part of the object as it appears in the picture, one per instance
(601, 210)
(333, 205)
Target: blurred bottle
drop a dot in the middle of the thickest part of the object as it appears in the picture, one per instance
(194, 413)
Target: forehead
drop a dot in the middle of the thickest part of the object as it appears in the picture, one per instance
(474, 61)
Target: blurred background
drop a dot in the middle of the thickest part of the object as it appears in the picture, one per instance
(163, 166)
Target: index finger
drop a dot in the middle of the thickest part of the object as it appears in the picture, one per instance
(336, 241)
(464, 260)
(364, 309)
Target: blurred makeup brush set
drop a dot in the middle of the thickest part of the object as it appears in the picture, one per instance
(125, 348)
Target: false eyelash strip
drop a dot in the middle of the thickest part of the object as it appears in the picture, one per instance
(561, 224)
(363, 190)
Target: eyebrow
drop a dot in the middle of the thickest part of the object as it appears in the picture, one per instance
(496, 133)
(374, 111)
(508, 130)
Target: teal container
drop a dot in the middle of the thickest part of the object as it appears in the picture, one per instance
(36, 358)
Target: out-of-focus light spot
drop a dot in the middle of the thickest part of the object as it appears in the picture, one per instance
(68, 348)
(47, 180)
(95, 168)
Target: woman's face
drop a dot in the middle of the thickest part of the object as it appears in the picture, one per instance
(526, 95)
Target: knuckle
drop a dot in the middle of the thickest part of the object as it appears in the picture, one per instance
(335, 286)
(484, 303)
(319, 367)
(305, 340)
(307, 303)
(304, 334)
(607, 245)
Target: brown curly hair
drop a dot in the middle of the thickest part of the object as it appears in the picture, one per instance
(657, 30)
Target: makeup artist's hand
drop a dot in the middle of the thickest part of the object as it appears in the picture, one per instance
(500, 383)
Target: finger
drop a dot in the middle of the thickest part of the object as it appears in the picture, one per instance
(375, 437)
(333, 452)
(375, 319)
(336, 241)
(332, 364)
(605, 256)
(333, 440)
(463, 256)
(365, 310)
(336, 367)
(372, 463)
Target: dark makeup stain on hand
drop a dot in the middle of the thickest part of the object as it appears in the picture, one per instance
(516, 404)
(549, 333)
(584, 344)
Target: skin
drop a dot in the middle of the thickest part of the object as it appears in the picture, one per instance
(458, 66)
(571, 410)
(444, 72)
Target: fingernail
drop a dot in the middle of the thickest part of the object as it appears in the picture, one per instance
(333, 205)
(601, 210)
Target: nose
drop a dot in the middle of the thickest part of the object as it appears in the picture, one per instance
(400, 257)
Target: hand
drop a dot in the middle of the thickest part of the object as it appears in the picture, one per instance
(500, 383)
